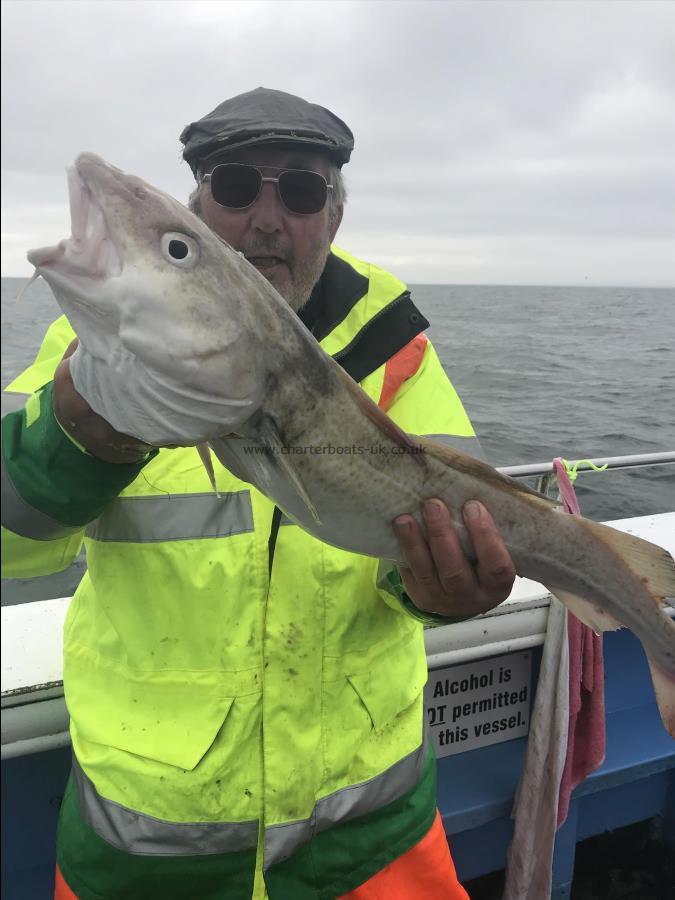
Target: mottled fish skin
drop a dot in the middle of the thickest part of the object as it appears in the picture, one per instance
(205, 350)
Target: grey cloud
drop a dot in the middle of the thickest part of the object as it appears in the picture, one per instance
(491, 121)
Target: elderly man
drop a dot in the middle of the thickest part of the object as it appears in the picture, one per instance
(246, 702)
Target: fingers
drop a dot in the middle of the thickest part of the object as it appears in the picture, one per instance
(69, 405)
(494, 567)
(417, 554)
(455, 573)
(71, 348)
(441, 579)
(444, 580)
(90, 430)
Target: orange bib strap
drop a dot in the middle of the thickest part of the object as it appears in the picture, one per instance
(400, 367)
(425, 871)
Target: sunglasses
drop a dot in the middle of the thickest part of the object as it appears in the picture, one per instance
(238, 186)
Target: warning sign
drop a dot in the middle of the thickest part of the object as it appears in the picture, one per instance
(479, 703)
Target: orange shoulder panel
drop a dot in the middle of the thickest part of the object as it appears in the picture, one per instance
(400, 367)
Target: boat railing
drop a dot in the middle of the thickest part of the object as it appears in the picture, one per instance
(544, 472)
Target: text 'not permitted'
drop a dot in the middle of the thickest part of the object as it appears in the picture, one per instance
(479, 703)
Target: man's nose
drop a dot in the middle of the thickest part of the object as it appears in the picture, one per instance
(267, 213)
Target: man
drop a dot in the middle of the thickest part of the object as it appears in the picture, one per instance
(243, 698)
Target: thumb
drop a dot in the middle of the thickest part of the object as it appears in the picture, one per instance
(71, 348)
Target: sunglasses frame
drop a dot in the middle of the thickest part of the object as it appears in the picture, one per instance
(271, 180)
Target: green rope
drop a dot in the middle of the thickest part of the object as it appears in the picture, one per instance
(572, 469)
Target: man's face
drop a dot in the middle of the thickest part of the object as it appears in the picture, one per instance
(290, 250)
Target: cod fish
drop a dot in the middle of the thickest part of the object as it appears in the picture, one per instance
(183, 342)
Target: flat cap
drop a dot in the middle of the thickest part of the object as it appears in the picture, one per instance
(265, 116)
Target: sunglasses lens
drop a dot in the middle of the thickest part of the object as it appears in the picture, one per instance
(303, 192)
(235, 185)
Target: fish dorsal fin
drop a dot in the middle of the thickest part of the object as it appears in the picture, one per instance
(476, 468)
(386, 425)
(591, 615)
(205, 455)
(664, 688)
(269, 434)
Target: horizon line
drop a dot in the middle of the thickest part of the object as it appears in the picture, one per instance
(410, 283)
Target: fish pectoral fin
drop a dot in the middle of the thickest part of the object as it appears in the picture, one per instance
(588, 613)
(664, 688)
(205, 455)
(270, 436)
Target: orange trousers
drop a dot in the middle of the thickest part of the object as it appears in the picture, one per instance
(425, 872)
(61, 889)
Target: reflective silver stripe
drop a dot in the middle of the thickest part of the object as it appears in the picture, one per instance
(282, 841)
(23, 519)
(44, 587)
(12, 401)
(143, 835)
(174, 517)
(469, 445)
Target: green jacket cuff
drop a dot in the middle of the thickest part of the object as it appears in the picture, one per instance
(394, 579)
(51, 472)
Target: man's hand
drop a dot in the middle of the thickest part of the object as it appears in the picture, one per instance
(441, 579)
(90, 430)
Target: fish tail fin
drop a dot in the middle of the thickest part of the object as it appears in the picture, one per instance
(205, 455)
(594, 616)
(653, 565)
(598, 620)
(654, 568)
(664, 688)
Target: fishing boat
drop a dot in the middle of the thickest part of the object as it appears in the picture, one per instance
(480, 742)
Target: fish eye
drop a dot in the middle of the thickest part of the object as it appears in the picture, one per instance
(180, 249)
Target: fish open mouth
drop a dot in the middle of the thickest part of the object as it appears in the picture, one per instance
(89, 252)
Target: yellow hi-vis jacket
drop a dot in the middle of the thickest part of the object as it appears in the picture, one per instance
(221, 714)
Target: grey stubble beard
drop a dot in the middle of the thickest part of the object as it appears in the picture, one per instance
(303, 276)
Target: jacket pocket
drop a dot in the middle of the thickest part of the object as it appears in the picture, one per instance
(393, 683)
(171, 717)
(372, 711)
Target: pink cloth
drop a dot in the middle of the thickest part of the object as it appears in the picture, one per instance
(586, 730)
(566, 740)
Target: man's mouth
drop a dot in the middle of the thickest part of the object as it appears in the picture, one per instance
(265, 262)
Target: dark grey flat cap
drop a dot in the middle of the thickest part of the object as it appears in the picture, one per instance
(265, 116)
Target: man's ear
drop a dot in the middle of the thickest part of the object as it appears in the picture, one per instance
(335, 224)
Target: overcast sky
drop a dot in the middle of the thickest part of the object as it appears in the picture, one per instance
(496, 142)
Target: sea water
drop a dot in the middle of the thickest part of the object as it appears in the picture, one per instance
(576, 372)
